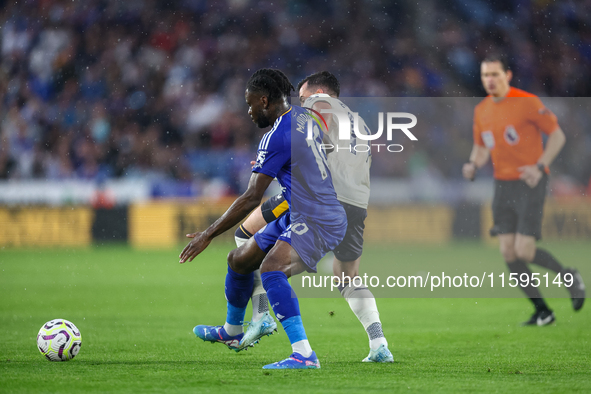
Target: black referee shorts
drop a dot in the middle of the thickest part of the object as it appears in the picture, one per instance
(517, 208)
(351, 246)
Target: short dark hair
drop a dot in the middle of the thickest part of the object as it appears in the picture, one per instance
(322, 79)
(496, 57)
(271, 82)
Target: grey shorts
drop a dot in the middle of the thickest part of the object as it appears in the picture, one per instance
(517, 208)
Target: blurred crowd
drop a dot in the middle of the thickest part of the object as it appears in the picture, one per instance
(152, 89)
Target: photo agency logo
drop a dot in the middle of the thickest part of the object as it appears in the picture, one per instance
(354, 135)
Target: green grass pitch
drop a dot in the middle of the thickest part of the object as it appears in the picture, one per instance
(136, 311)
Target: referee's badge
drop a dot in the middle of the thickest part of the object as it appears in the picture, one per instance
(511, 135)
(488, 139)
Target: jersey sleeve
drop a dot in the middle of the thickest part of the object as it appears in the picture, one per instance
(273, 154)
(476, 131)
(542, 117)
(320, 98)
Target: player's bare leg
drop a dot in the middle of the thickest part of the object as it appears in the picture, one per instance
(525, 247)
(255, 221)
(363, 305)
(246, 258)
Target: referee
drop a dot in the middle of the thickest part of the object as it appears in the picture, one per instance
(508, 127)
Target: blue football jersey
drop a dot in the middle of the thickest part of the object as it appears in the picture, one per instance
(300, 166)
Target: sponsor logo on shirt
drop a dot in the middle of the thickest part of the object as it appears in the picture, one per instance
(489, 139)
(511, 135)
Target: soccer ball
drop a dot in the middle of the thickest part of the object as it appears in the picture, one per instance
(59, 340)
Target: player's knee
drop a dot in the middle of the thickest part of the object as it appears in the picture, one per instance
(349, 269)
(270, 265)
(231, 258)
(235, 262)
(264, 268)
(351, 273)
(276, 264)
(508, 252)
(525, 253)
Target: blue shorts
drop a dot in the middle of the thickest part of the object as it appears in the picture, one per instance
(310, 239)
(276, 230)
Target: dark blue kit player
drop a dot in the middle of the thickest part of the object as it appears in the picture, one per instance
(290, 245)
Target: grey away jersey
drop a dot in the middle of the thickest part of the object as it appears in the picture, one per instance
(349, 168)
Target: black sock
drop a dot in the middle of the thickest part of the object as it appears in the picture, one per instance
(519, 267)
(546, 260)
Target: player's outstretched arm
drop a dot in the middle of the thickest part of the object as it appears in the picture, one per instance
(478, 158)
(238, 211)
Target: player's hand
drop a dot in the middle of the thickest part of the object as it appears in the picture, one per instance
(531, 175)
(469, 171)
(197, 245)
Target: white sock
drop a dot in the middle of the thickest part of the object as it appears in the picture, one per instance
(232, 329)
(363, 305)
(240, 241)
(376, 336)
(260, 303)
(302, 347)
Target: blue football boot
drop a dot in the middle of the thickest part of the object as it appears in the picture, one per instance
(215, 334)
(296, 361)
